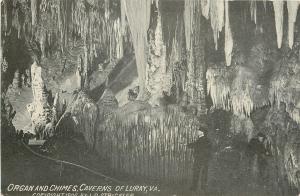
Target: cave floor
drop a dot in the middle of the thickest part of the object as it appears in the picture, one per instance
(22, 167)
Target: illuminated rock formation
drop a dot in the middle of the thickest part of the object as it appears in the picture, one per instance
(39, 109)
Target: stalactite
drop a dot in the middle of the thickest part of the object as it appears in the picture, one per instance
(292, 7)
(188, 22)
(5, 15)
(205, 6)
(278, 13)
(119, 38)
(243, 92)
(217, 9)
(138, 15)
(282, 86)
(60, 21)
(1, 52)
(228, 36)
(253, 10)
(33, 11)
(106, 7)
(123, 16)
(42, 43)
(218, 87)
(295, 114)
(265, 4)
(234, 91)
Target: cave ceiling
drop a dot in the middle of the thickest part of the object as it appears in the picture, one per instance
(250, 49)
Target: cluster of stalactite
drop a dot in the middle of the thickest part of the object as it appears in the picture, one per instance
(241, 90)
(218, 13)
(149, 143)
(98, 24)
(284, 86)
(232, 94)
(283, 132)
(292, 158)
(217, 88)
(279, 7)
(56, 25)
(138, 17)
(292, 7)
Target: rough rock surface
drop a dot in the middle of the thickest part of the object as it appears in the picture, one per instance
(158, 75)
(107, 104)
(84, 113)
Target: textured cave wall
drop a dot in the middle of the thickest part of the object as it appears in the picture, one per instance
(196, 66)
(63, 33)
(83, 114)
(156, 69)
(261, 83)
(59, 25)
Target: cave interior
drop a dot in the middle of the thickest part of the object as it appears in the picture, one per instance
(121, 85)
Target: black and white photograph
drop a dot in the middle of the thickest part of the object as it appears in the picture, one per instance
(150, 97)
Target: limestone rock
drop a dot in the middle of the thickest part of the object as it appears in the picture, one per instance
(39, 109)
(84, 114)
(108, 99)
(158, 76)
(107, 104)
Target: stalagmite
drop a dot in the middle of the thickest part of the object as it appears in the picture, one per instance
(217, 8)
(138, 15)
(278, 12)
(228, 36)
(195, 82)
(39, 109)
(159, 75)
(292, 7)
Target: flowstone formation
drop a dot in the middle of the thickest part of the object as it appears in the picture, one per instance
(40, 110)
